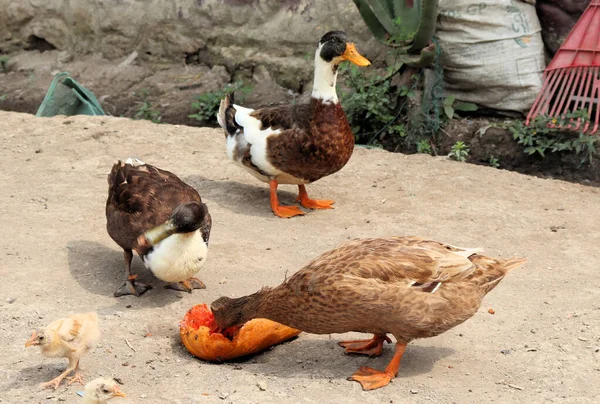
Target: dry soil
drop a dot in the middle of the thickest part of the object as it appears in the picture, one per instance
(541, 345)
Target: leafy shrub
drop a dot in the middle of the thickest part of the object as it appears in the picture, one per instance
(206, 105)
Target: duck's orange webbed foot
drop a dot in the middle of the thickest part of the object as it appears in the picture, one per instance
(312, 203)
(371, 379)
(370, 347)
(279, 210)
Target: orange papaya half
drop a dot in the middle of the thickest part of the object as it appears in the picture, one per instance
(253, 337)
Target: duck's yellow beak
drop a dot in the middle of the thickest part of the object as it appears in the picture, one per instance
(352, 55)
(157, 234)
(32, 340)
(117, 392)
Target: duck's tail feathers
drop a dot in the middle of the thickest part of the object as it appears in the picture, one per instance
(134, 162)
(226, 116)
(493, 274)
(512, 263)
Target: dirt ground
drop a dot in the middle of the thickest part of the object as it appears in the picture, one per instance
(542, 344)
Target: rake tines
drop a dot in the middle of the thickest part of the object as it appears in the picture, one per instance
(571, 90)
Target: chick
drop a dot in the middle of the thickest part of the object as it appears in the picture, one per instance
(70, 338)
(101, 390)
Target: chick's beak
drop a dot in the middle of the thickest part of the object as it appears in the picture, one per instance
(117, 392)
(157, 234)
(32, 340)
(352, 55)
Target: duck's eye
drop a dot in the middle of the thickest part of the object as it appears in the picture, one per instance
(106, 391)
(41, 337)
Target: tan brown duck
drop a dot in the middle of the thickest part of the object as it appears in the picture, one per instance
(406, 286)
(153, 212)
(300, 143)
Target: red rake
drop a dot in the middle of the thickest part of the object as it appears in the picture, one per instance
(572, 79)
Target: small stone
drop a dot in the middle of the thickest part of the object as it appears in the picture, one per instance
(505, 351)
(39, 151)
(223, 395)
(413, 391)
(222, 281)
(11, 300)
(532, 330)
(262, 385)
(143, 396)
(582, 339)
(514, 386)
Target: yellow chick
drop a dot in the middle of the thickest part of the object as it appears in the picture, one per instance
(100, 390)
(70, 338)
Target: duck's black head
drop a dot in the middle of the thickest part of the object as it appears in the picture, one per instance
(186, 218)
(189, 217)
(336, 47)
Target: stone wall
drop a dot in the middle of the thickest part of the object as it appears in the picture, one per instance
(280, 35)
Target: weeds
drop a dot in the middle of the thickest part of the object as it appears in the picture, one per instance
(494, 162)
(545, 135)
(145, 110)
(206, 105)
(459, 151)
(373, 106)
(4, 63)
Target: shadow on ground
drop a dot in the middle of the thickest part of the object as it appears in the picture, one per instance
(101, 270)
(302, 357)
(250, 200)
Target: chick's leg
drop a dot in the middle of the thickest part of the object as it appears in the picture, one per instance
(370, 347)
(371, 379)
(187, 286)
(130, 287)
(279, 210)
(54, 383)
(312, 203)
(76, 378)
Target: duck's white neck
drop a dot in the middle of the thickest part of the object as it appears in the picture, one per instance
(325, 78)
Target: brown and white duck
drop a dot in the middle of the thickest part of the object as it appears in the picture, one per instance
(153, 212)
(406, 286)
(300, 143)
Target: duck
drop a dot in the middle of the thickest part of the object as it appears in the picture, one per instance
(296, 144)
(154, 213)
(406, 286)
(100, 391)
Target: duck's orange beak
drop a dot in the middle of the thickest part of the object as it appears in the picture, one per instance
(32, 340)
(117, 392)
(352, 55)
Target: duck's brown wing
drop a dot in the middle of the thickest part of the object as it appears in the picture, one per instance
(315, 139)
(141, 197)
(395, 259)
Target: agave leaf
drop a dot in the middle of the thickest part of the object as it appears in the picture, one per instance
(381, 10)
(427, 20)
(371, 20)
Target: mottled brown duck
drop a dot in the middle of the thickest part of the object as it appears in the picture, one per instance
(405, 286)
(296, 144)
(154, 213)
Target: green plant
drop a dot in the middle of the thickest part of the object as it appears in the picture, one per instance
(407, 25)
(372, 105)
(423, 146)
(451, 105)
(459, 151)
(206, 105)
(4, 63)
(145, 110)
(551, 135)
(3, 97)
(494, 162)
